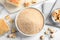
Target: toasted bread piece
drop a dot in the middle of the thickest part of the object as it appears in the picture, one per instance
(14, 2)
(3, 27)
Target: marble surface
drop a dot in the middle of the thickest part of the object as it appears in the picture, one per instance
(4, 12)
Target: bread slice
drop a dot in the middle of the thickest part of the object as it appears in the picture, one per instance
(14, 2)
(3, 27)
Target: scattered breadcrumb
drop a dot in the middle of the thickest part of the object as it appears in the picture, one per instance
(51, 30)
(42, 37)
(46, 32)
(12, 35)
(7, 17)
(27, 4)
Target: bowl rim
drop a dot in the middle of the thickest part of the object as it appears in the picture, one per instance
(17, 17)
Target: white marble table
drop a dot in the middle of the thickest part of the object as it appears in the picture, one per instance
(21, 37)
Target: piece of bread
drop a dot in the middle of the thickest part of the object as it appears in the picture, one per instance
(3, 27)
(14, 2)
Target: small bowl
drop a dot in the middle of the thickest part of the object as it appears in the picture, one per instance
(53, 17)
(18, 27)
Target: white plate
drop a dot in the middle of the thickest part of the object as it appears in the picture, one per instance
(11, 9)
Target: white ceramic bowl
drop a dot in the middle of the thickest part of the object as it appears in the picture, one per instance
(53, 17)
(18, 27)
